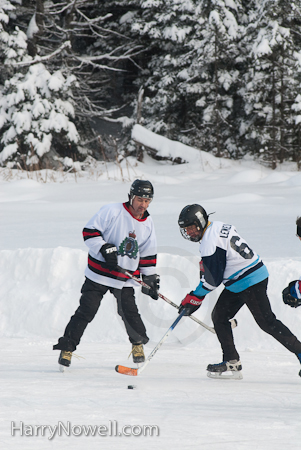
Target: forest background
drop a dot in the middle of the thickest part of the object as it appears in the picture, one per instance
(223, 76)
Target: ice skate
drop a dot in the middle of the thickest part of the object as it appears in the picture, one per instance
(225, 370)
(138, 353)
(64, 360)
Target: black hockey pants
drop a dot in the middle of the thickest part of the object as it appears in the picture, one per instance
(256, 299)
(92, 294)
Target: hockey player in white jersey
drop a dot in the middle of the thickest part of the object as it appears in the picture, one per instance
(292, 293)
(226, 258)
(119, 235)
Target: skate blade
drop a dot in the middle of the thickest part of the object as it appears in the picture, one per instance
(62, 368)
(228, 375)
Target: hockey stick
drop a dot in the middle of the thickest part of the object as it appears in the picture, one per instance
(233, 321)
(134, 372)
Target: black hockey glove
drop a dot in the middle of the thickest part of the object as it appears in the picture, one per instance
(191, 303)
(288, 298)
(153, 281)
(109, 252)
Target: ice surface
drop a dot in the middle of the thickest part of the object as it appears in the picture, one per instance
(42, 261)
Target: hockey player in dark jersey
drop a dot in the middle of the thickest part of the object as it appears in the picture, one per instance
(292, 293)
(227, 258)
(119, 235)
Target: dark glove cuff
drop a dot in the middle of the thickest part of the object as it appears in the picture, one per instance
(201, 297)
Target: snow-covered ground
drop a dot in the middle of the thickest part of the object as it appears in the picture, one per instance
(42, 261)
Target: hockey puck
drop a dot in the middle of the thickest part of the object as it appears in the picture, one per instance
(131, 386)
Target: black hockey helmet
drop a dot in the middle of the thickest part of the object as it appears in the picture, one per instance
(141, 188)
(193, 215)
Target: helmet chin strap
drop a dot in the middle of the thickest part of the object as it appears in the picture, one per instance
(209, 223)
(131, 198)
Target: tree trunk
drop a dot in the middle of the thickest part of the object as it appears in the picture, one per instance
(216, 122)
(273, 146)
(139, 148)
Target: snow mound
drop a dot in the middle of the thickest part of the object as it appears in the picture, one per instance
(40, 290)
(167, 148)
(246, 176)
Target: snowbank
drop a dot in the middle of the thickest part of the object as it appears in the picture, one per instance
(40, 289)
(167, 148)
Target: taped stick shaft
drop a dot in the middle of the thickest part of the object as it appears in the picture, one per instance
(211, 329)
(152, 354)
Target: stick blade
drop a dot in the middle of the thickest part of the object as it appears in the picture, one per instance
(126, 371)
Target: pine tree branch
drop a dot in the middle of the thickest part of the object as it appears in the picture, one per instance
(91, 59)
(39, 59)
(90, 21)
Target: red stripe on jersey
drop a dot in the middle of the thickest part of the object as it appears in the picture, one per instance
(101, 270)
(147, 262)
(96, 233)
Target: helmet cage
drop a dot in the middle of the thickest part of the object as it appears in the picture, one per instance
(193, 215)
(190, 238)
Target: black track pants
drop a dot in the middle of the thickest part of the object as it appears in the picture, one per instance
(256, 299)
(92, 294)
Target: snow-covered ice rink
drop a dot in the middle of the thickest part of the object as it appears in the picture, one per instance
(42, 262)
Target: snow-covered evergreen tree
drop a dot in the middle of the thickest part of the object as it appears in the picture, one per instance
(296, 141)
(216, 69)
(192, 77)
(98, 56)
(221, 75)
(272, 79)
(5, 8)
(165, 26)
(36, 109)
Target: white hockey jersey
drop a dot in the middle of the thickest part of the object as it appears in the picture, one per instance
(227, 259)
(135, 240)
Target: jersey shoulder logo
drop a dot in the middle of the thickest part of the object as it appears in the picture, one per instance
(129, 246)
